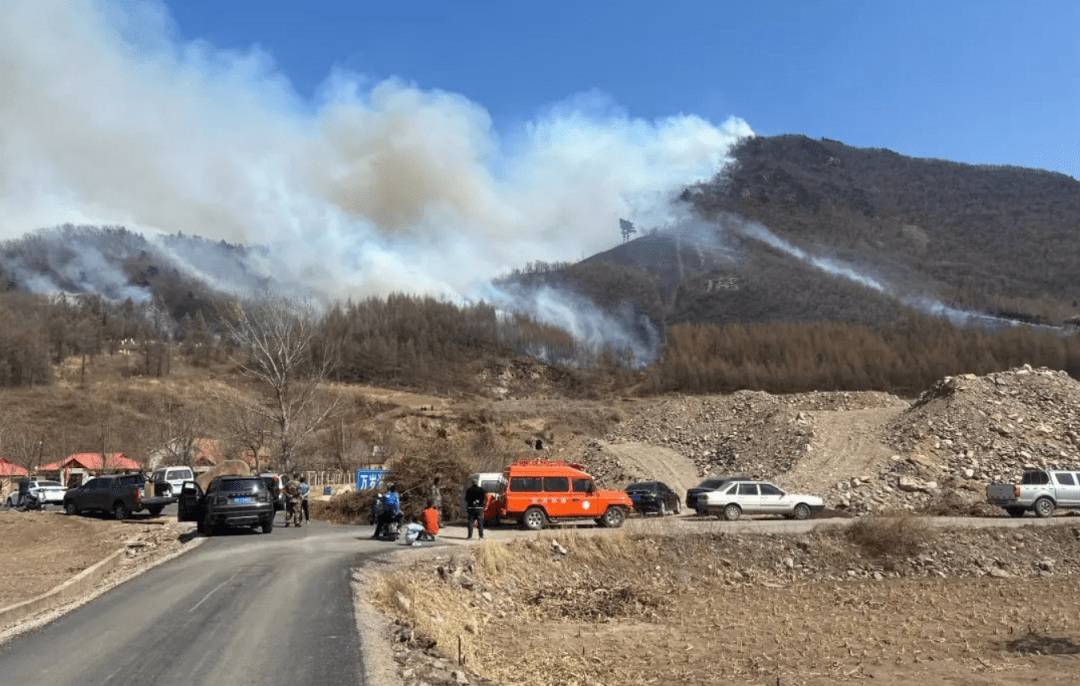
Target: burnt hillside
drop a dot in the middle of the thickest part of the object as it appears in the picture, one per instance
(901, 236)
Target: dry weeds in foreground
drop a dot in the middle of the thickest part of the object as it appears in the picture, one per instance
(622, 608)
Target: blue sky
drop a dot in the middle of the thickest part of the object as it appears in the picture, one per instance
(982, 82)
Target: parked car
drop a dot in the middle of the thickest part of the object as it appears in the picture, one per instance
(230, 500)
(654, 496)
(710, 484)
(1040, 490)
(541, 491)
(171, 478)
(758, 497)
(119, 494)
(46, 492)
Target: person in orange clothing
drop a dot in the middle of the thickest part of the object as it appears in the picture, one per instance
(429, 517)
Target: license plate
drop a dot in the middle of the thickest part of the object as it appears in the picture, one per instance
(243, 501)
(635, 498)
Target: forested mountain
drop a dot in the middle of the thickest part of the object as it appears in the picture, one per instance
(805, 264)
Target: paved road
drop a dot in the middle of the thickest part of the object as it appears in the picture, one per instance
(242, 608)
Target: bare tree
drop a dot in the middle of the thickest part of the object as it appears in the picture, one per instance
(275, 347)
(246, 430)
(178, 429)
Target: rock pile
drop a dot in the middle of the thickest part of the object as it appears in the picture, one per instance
(967, 431)
(962, 433)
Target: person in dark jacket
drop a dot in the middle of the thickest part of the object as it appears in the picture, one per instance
(475, 497)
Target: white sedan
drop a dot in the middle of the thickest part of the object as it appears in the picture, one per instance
(757, 497)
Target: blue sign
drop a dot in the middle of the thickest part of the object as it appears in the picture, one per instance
(367, 479)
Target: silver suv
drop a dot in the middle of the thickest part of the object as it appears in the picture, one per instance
(173, 479)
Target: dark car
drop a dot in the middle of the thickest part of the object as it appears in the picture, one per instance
(654, 496)
(710, 484)
(230, 500)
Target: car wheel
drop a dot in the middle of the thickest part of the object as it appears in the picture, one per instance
(71, 508)
(1015, 511)
(1044, 507)
(200, 526)
(678, 507)
(613, 518)
(208, 525)
(732, 512)
(801, 511)
(268, 525)
(534, 519)
(155, 511)
(9, 502)
(120, 511)
(662, 509)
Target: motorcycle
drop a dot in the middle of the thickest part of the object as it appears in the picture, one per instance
(29, 501)
(391, 531)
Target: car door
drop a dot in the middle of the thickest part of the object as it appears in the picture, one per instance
(749, 499)
(771, 499)
(1068, 490)
(584, 497)
(189, 503)
(97, 494)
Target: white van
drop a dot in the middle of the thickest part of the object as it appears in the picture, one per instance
(173, 478)
(492, 482)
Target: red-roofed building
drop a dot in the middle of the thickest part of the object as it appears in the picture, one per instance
(9, 469)
(77, 467)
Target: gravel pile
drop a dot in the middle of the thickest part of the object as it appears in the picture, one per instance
(961, 434)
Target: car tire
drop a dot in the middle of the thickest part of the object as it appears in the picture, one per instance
(662, 509)
(678, 507)
(71, 508)
(1044, 507)
(120, 511)
(268, 525)
(208, 526)
(1015, 511)
(9, 502)
(732, 512)
(801, 512)
(155, 511)
(613, 518)
(534, 519)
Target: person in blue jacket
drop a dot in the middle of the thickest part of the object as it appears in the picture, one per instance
(391, 511)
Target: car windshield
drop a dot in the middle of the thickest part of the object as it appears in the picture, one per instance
(50, 484)
(239, 485)
(712, 483)
(643, 486)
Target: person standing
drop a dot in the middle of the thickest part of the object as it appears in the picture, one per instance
(304, 490)
(292, 489)
(436, 494)
(475, 497)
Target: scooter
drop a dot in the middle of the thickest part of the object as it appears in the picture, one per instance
(392, 530)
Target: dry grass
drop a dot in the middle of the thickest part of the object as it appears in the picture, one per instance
(900, 535)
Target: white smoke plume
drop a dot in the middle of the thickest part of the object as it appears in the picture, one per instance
(107, 118)
(926, 304)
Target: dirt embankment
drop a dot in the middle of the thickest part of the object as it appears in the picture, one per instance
(665, 607)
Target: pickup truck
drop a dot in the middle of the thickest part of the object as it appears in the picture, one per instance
(120, 494)
(1040, 490)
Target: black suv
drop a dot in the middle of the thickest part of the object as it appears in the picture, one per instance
(229, 501)
(710, 484)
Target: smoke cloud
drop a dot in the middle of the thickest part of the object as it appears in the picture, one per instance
(107, 118)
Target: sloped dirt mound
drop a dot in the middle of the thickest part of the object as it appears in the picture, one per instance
(967, 431)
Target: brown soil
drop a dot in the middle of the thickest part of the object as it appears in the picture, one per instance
(680, 607)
